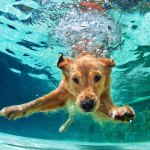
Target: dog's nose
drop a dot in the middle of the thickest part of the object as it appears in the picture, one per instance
(87, 105)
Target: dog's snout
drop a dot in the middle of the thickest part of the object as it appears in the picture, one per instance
(87, 105)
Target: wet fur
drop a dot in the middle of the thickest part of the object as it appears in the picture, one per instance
(69, 94)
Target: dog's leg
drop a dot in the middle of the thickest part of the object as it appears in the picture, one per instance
(124, 113)
(53, 100)
(66, 125)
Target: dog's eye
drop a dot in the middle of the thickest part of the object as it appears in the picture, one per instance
(97, 78)
(75, 79)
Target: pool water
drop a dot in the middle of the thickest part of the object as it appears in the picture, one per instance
(11, 142)
(34, 33)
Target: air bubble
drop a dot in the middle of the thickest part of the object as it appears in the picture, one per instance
(88, 30)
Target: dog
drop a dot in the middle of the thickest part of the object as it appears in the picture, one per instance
(85, 88)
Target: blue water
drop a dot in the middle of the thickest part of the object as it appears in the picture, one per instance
(11, 142)
(29, 50)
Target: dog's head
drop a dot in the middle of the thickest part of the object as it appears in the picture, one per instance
(86, 77)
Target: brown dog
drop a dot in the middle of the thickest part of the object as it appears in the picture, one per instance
(85, 87)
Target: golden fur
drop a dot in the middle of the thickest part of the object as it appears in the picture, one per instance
(77, 85)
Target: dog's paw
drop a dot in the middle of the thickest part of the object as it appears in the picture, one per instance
(124, 113)
(62, 129)
(12, 112)
(65, 126)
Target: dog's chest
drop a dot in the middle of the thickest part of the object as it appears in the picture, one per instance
(72, 107)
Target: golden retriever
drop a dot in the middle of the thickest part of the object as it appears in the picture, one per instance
(85, 87)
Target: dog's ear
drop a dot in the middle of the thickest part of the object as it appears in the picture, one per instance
(63, 63)
(105, 62)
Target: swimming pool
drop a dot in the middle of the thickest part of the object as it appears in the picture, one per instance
(29, 50)
(23, 143)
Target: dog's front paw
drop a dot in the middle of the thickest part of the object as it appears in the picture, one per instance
(12, 112)
(124, 113)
